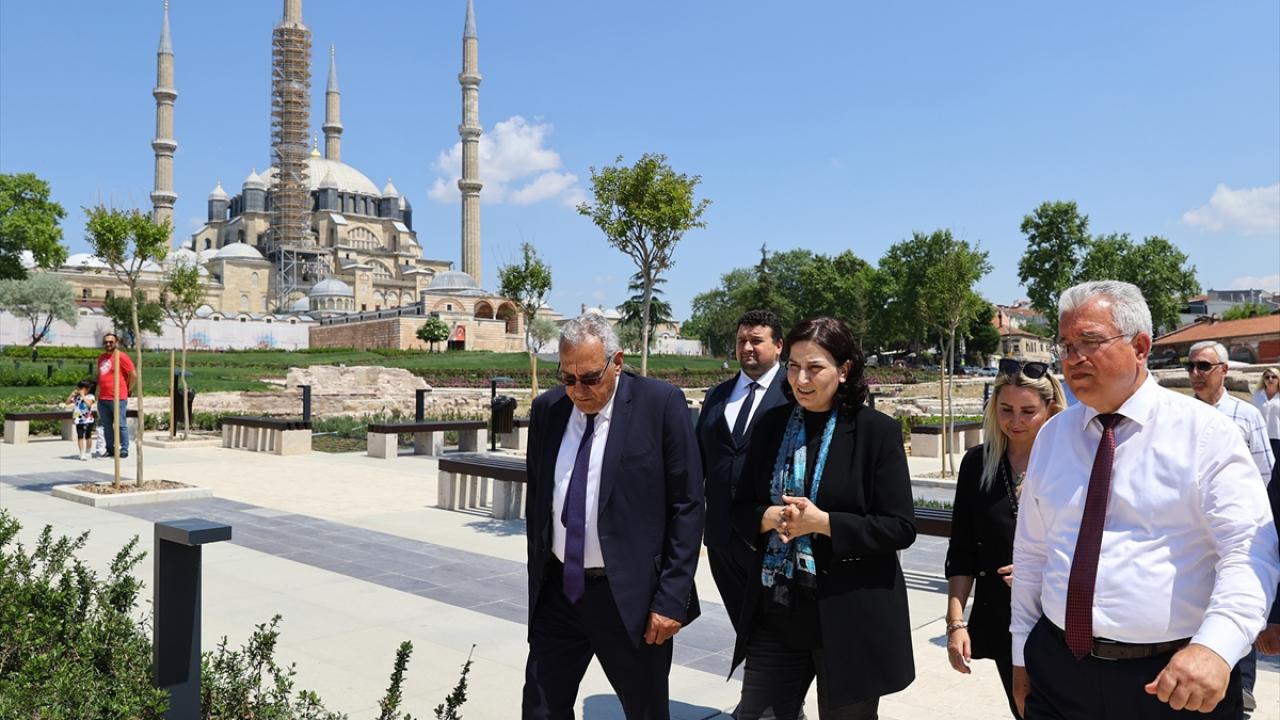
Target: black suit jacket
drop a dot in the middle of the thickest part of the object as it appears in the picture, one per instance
(722, 458)
(862, 598)
(650, 501)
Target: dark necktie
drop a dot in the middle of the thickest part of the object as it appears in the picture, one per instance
(1084, 564)
(574, 517)
(744, 413)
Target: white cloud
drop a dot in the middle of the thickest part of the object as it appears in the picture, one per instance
(1270, 283)
(516, 166)
(1252, 211)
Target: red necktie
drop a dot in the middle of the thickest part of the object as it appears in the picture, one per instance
(1084, 564)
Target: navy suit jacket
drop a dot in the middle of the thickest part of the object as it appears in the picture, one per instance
(650, 501)
(722, 458)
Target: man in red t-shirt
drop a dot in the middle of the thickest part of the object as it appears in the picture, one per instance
(107, 394)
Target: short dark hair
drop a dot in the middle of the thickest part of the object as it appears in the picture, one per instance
(84, 384)
(110, 334)
(761, 318)
(833, 336)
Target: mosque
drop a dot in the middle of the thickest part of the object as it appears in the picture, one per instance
(313, 239)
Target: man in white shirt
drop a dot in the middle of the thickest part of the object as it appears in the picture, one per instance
(1145, 553)
(1207, 366)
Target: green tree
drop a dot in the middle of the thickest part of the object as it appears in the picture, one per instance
(128, 241)
(39, 300)
(838, 287)
(433, 331)
(1038, 328)
(28, 223)
(1057, 237)
(713, 315)
(1246, 310)
(183, 295)
(527, 284)
(981, 336)
(630, 324)
(543, 331)
(1155, 265)
(644, 211)
(120, 312)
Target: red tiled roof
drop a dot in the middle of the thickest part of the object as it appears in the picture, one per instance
(1264, 325)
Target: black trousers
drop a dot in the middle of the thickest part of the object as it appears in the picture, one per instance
(1004, 664)
(777, 678)
(734, 566)
(1063, 688)
(564, 637)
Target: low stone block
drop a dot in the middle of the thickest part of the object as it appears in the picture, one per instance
(293, 442)
(382, 445)
(16, 432)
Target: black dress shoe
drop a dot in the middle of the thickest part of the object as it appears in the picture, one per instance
(124, 454)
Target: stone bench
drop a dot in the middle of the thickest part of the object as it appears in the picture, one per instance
(278, 436)
(517, 438)
(428, 436)
(17, 425)
(926, 440)
(464, 482)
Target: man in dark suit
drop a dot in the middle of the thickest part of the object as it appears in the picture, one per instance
(724, 432)
(614, 511)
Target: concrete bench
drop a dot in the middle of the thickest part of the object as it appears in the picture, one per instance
(428, 436)
(517, 438)
(278, 436)
(926, 440)
(464, 480)
(17, 425)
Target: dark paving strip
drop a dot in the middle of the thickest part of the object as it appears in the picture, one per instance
(484, 584)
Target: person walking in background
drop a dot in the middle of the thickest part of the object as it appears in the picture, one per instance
(988, 489)
(84, 415)
(825, 499)
(108, 393)
(1267, 399)
(1145, 556)
(615, 512)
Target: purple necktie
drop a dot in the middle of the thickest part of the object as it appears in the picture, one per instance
(574, 517)
(1084, 564)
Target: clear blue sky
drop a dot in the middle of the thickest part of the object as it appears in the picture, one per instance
(824, 125)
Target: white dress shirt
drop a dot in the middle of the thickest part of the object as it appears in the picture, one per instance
(592, 557)
(1252, 428)
(1270, 409)
(1189, 545)
(738, 395)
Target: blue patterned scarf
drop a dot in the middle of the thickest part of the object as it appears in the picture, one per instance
(785, 562)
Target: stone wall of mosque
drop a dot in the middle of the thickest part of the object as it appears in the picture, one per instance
(202, 334)
(401, 334)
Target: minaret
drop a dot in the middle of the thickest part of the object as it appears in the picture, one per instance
(332, 120)
(163, 197)
(470, 131)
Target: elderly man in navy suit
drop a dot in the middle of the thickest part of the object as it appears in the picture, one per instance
(724, 432)
(615, 514)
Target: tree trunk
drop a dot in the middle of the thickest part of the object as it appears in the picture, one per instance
(943, 445)
(644, 327)
(142, 416)
(533, 374)
(186, 408)
(173, 420)
(951, 406)
(115, 414)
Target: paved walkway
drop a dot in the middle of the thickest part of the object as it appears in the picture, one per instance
(351, 552)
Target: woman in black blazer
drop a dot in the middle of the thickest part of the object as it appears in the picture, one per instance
(825, 499)
(983, 517)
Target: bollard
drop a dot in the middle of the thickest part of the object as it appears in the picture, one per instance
(176, 606)
(420, 404)
(48, 371)
(306, 403)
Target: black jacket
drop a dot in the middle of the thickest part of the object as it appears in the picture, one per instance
(722, 458)
(982, 527)
(650, 506)
(861, 596)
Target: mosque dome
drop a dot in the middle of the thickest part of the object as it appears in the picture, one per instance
(300, 305)
(345, 177)
(452, 280)
(255, 181)
(238, 251)
(218, 193)
(183, 255)
(83, 260)
(331, 287)
(389, 191)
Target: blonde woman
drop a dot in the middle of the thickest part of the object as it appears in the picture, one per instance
(1025, 395)
(1267, 400)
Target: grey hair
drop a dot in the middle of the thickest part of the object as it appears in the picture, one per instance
(1129, 309)
(1213, 345)
(588, 325)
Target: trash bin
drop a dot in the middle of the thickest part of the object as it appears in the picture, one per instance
(503, 409)
(177, 408)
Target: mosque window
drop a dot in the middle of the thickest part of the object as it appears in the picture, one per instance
(244, 302)
(86, 293)
(253, 280)
(380, 271)
(208, 243)
(110, 294)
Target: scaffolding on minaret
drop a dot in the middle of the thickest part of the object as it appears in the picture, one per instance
(290, 245)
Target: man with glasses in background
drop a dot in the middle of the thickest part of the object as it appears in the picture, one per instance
(108, 393)
(1145, 551)
(1207, 366)
(614, 508)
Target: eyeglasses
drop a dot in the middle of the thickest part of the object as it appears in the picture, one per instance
(1029, 370)
(1084, 347)
(588, 379)
(1201, 366)
(1270, 377)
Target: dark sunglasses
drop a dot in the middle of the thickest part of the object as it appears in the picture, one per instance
(1031, 370)
(1202, 366)
(589, 379)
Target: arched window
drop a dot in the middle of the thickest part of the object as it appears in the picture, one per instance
(507, 312)
(380, 270)
(208, 243)
(253, 280)
(484, 311)
(244, 303)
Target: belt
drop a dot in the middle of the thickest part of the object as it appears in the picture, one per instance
(1105, 649)
(591, 573)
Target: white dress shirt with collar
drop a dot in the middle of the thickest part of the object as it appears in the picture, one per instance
(1189, 545)
(592, 556)
(1252, 428)
(738, 395)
